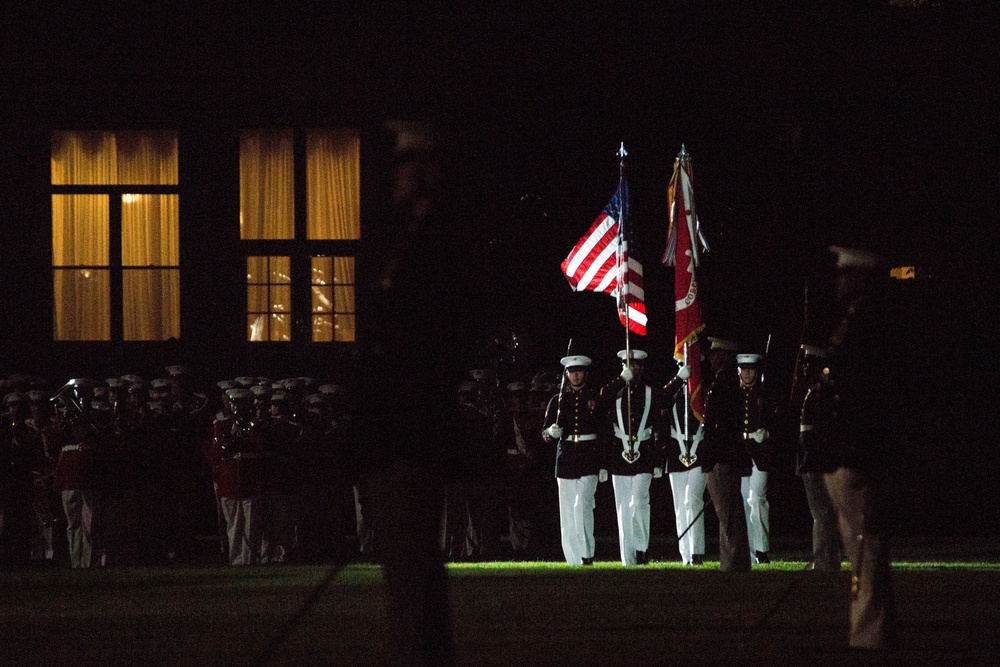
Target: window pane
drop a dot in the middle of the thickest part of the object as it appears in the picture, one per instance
(151, 304)
(322, 328)
(281, 329)
(257, 270)
(269, 298)
(80, 230)
(147, 158)
(150, 235)
(281, 298)
(322, 299)
(333, 189)
(257, 327)
(281, 269)
(343, 299)
(343, 326)
(267, 180)
(84, 158)
(343, 270)
(257, 299)
(82, 300)
(322, 270)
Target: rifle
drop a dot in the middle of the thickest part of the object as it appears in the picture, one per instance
(562, 384)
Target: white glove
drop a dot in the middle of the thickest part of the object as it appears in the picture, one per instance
(555, 431)
(684, 372)
(657, 473)
(602, 476)
(627, 374)
(760, 435)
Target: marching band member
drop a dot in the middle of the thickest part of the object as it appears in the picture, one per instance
(238, 452)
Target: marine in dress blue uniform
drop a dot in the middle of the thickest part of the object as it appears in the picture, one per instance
(634, 456)
(576, 428)
(687, 479)
(755, 417)
(814, 460)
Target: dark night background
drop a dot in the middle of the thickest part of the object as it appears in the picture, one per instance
(856, 123)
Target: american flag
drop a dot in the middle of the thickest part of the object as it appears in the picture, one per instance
(685, 244)
(601, 262)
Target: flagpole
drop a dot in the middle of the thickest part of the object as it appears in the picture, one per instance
(622, 272)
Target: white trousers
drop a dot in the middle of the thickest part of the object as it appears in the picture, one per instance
(243, 529)
(576, 517)
(757, 511)
(632, 508)
(78, 506)
(688, 488)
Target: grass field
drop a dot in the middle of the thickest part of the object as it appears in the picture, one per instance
(503, 614)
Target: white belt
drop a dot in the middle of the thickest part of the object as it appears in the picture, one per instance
(805, 428)
(70, 448)
(580, 438)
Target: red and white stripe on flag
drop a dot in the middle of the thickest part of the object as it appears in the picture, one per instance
(590, 265)
(632, 296)
(593, 265)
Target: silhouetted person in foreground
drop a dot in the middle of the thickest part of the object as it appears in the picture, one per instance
(861, 369)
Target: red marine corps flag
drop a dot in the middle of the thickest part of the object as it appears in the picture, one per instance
(685, 244)
(601, 262)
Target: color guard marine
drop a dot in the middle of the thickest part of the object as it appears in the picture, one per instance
(574, 419)
(755, 419)
(634, 456)
(725, 458)
(816, 456)
(684, 469)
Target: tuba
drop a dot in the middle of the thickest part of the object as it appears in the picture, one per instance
(71, 400)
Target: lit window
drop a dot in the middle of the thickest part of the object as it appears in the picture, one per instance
(323, 230)
(106, 182)
(269, 297)
(333, 167)
(267, 185)
(333, 299)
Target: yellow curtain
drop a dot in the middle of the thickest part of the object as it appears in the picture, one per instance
(150, 238)
(267, 185)
(81, 304)
(333, 172)
(81, 296)
(84, 158)
(147, 158)
(150, 230)
(80, 230)
(151, 304)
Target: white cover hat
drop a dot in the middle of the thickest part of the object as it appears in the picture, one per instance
(575, 361)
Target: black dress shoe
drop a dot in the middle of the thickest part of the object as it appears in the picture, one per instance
(588, 561)
(697, 559)
(641, 558)
(762, 557)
